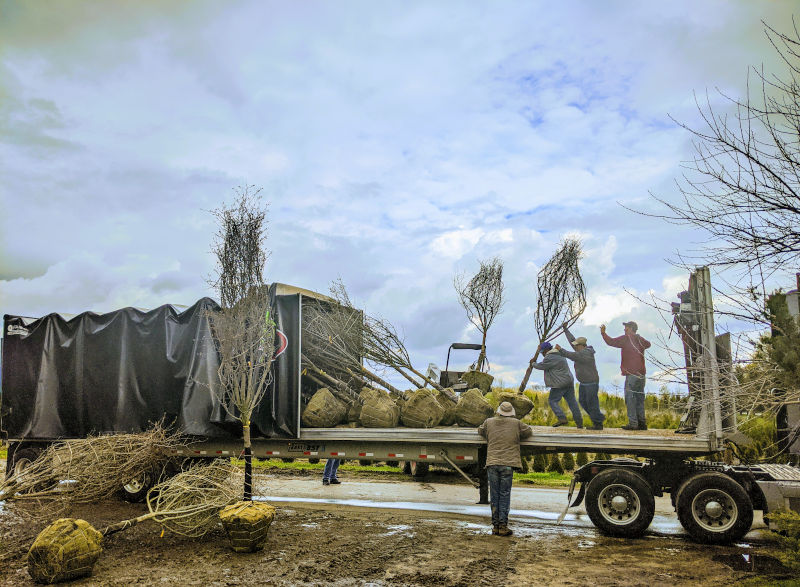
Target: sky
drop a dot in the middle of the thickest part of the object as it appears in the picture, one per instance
(397, 143)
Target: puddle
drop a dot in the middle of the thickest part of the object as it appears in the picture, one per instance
(755, 563)
(586, 544)
(310, 525)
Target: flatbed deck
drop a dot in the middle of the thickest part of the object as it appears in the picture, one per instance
(562, 439)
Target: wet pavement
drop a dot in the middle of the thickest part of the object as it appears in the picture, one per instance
(534, 510)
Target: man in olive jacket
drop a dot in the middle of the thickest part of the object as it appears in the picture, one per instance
(503, 433)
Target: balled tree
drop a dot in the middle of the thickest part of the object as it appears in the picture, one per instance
(243, 329)
(561, 296)
(482, 298)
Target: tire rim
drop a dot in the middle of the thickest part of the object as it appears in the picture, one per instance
(136, 485)
(619, 504)
(714, 510)
(20, 466)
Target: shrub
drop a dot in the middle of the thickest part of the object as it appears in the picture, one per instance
(555, 465)
(539, 463)
(788, 525)
(568, 461)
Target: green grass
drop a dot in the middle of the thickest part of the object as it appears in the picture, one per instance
(3, 452)
(544, 479)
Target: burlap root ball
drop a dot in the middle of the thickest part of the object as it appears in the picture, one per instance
(482, 381)
(246, 524)
(522, 403)
(380, 412)
(449, 417)
(65, 550)
(422, 409)
(472, 408)
(324, 410)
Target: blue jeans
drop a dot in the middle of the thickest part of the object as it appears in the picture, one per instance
(331, 466)
(500, 479)
(634, 399)
(568, 393)
(587, 397)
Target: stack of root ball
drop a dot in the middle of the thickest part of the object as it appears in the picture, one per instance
(422, 408)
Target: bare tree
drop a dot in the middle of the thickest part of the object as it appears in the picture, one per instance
(482, 298)
(243, 329)
(742, 187)
(561, 296)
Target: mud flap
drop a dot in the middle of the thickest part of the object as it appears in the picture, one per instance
(577, 501)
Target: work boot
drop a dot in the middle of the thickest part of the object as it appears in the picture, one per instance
(326, 482)
(642, 427)
(560, 423)
(504, 530)
(596, 427)
(335, 481)
(495, 529)
(630, 427)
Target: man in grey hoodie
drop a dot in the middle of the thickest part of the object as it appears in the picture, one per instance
(558, 378)
(586, 373)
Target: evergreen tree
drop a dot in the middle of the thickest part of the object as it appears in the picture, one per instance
(582, 459)
(568, 461)
(539, 463)
(555, 465)
(525, 468)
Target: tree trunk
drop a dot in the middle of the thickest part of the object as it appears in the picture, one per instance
(113, 528)
(248, 463)
(482, 356)
(369, 375)
(528, 372)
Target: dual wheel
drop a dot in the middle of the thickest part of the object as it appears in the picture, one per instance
(712, 507)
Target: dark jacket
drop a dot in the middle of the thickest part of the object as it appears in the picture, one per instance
(503, 434)
(556, 370)
(632, 352)
(585, 367)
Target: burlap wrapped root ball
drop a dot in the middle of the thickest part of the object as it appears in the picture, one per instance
(449, 405)
(522, 403)
(378, 411)
(482, 381)
(472, 408)
(67, 549)
(324, 410)
(246, 524)
(422, 409)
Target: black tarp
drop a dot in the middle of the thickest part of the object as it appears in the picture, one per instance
(121, 371)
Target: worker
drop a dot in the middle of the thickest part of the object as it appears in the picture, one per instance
(586, 374)
(503, 433)
(558, 378)
(632, 366)
(329, 474)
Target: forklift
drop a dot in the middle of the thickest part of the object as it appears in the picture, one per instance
(452, 379)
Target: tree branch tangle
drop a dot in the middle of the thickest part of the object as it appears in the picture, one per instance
(482, 298)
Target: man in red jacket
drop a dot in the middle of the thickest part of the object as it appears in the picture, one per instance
(633, 347)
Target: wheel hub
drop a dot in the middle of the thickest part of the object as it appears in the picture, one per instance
(619, 503)
(714, 509)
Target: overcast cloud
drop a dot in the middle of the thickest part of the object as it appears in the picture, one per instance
(398, 143)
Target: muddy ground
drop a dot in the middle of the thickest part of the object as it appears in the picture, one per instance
(330, 543)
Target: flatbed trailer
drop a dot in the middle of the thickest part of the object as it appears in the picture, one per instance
(52, 393)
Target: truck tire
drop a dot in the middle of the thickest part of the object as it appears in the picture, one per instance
(21, 459)
(713, 508)
(135, 490)
(620, 503)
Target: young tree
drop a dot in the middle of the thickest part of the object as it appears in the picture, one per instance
(482, 298)
(561, 296)
(243, 328)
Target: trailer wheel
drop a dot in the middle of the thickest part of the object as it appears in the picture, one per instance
(136, 489)
(620, 503)
(713, 508)
(22, 458)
